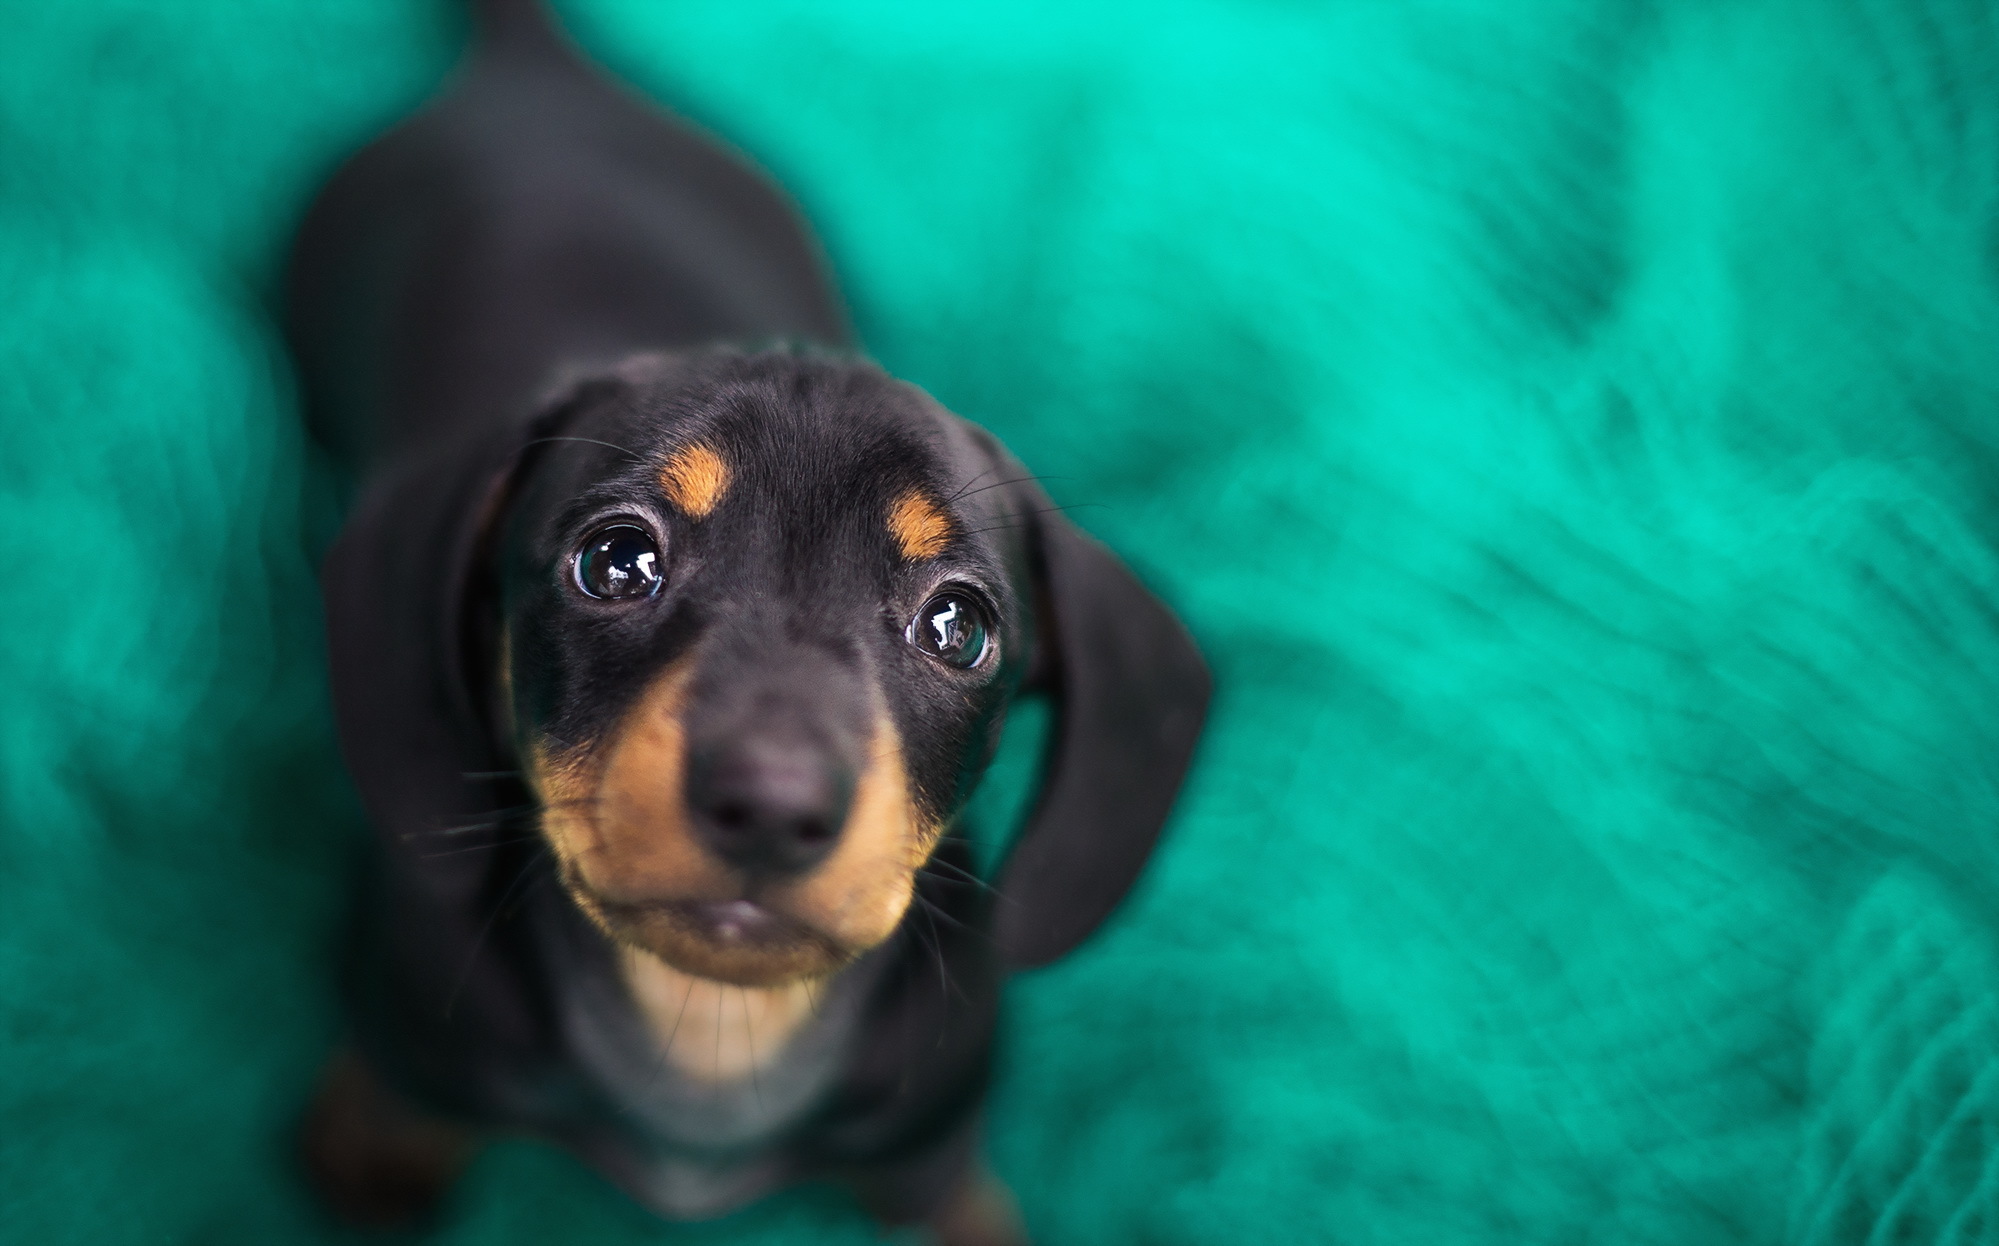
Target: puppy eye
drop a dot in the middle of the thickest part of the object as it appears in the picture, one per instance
(620, 561)
(952, 628)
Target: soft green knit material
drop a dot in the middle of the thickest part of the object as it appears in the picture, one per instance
(1571, 427)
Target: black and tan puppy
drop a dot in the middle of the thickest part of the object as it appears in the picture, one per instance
(663, 666)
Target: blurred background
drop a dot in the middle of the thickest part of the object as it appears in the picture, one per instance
(1571, 426)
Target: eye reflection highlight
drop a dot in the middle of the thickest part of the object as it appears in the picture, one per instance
(619, 562)
(952, 628)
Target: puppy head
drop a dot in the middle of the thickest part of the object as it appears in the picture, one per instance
(760, 628)
(756, 620)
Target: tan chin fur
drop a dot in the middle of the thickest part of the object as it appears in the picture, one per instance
(616, 819)
(712, 1031)
(658, 932)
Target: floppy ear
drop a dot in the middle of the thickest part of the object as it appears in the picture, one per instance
(1130, 691)
(411, 625)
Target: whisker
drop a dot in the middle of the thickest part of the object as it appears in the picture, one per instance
(636, 458)
(485, 847)
(672, 1034)
(458, 832)
(501, 818)
(937, 951)
(964, 876)
(750, 1035)
(1045, 510)
(969, 492)
(452, 832)
(968, 484)
(933, 912)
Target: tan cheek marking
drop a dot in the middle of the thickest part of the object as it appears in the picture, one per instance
(919, 528)
(712, 1031)
(860, 893)
(562, 781)
(649, 849)
(622, 830)
(695, 478)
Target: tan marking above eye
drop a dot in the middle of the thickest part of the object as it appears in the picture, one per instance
(920, 529)
(695, 478)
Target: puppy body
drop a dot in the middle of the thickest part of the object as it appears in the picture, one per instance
(663, 666)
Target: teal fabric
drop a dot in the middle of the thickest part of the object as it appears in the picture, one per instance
(1572, 428)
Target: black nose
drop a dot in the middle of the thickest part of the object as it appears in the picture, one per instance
(767, 804)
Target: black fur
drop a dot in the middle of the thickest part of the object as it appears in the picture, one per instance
(506, 313)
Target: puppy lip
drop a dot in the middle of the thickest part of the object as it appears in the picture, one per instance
(740, 924)
(736, 921)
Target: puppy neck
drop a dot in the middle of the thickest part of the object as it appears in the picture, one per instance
(715, 1031)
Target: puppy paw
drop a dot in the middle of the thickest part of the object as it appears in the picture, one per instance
(980, 1212)
(374, 1161)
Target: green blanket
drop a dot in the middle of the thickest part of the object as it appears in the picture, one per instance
(1571, 428)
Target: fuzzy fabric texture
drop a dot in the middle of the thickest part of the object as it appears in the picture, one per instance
(1570, 426)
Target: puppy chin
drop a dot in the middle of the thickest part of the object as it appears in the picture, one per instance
(732, 941)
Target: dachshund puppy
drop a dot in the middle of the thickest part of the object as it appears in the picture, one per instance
(664, 663)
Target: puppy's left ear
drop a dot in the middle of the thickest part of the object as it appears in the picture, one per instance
(1131, 692)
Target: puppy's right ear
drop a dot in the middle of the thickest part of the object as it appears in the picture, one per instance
(410, 627)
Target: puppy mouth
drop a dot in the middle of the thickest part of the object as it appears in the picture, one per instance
(739, 940)
(725, 923)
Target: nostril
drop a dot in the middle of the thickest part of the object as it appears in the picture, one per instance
(733, 816)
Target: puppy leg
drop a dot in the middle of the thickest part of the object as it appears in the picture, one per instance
(979, 1211)
(375, 1161)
